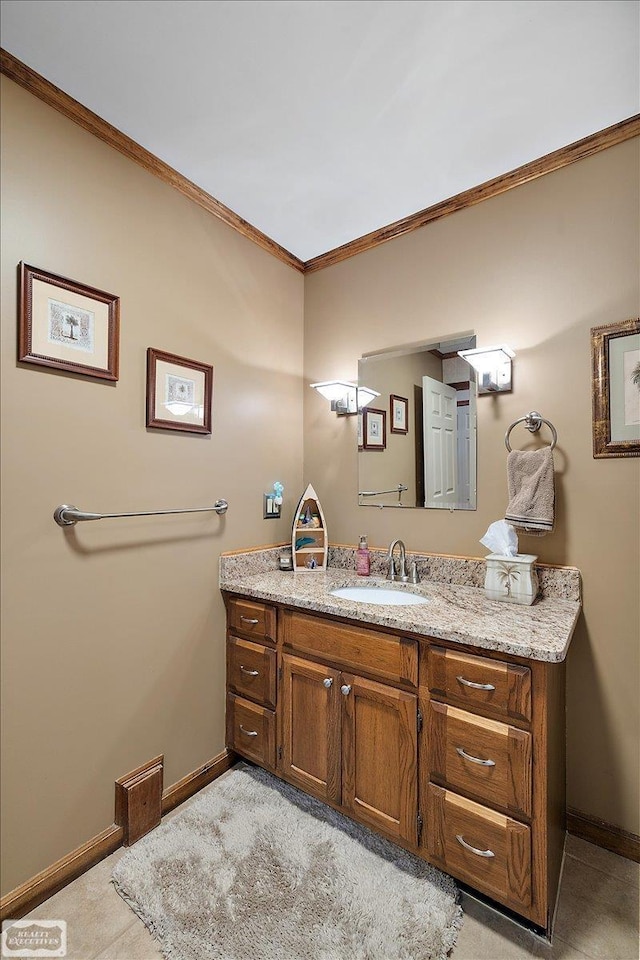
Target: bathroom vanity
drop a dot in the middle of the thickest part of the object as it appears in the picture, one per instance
(439, 725)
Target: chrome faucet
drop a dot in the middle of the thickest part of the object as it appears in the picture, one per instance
(397, 571)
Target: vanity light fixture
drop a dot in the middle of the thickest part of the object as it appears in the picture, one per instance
(493, 365)
(346, 398)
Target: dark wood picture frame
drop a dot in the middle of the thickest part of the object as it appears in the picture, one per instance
(170, 420)
(369, 416)
(41, 323)
(608, 390)
(395, 403)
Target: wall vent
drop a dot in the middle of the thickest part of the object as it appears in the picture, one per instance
(139, 800)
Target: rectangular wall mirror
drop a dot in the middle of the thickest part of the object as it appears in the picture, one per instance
(422, 452)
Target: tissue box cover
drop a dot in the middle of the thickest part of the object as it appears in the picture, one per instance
(512, 579)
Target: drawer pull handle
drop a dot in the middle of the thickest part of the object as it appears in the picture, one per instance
(476, 686)
(345, 689)
(479, 853)
(254, 733)
(328, 682)
(250, 673)
(251, 620)
(467, 756)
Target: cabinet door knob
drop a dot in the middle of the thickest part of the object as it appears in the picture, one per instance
(345, 689)
(328, 682)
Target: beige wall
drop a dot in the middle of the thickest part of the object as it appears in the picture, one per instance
(113, 633)
(536, 268)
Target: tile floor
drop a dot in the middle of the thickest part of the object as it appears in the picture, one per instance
(597, 916)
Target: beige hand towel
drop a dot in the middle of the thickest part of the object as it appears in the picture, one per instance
(531, 491)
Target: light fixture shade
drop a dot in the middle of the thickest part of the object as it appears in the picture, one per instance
(365, 396)
(334, 389)
(493, 365)
(346, 398)
(487, 358)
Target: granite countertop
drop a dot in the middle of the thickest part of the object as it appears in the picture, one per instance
(460, 614)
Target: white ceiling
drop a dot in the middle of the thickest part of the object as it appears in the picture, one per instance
(321, 120)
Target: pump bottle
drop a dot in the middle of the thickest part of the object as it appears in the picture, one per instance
(363, 559)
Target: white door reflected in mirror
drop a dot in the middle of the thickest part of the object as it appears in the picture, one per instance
(431, 461)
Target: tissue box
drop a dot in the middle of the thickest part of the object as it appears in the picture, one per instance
(511, 578)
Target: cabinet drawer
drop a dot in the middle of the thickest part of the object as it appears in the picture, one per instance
(251, 730)
(479, 683)
(479, 846)
(251, 670)
(387, 657)
(253, 619)
(485, 758)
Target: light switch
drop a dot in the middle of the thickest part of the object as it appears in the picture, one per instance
(271, 508)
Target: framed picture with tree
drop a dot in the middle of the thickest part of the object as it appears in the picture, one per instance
(67, 325)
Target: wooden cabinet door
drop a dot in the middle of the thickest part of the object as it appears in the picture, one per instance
(311, 737)
(380, 756)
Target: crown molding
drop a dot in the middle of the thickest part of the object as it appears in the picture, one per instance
(27, 78)
(609, 137)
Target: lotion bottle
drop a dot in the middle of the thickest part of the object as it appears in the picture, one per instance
(363, 559)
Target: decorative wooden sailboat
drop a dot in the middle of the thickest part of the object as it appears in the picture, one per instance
(309, 540)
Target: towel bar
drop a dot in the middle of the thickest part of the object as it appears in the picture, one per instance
(67, 515)
(378, 493)
(532, 422)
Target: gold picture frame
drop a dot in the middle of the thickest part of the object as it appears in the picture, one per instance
(615, 369)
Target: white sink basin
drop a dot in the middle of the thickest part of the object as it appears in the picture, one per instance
(390, 598)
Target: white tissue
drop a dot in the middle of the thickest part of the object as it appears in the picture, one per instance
(501, 538)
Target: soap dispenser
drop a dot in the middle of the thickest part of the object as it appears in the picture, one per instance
(363, 559)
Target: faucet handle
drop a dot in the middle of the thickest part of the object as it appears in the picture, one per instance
(414, 576)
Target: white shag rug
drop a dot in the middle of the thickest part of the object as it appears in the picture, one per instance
(257, 870)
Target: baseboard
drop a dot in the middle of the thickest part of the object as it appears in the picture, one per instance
(603, 834)
(33, 892)
(196, 780)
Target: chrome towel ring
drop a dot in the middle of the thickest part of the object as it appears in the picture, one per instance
(532, 422)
